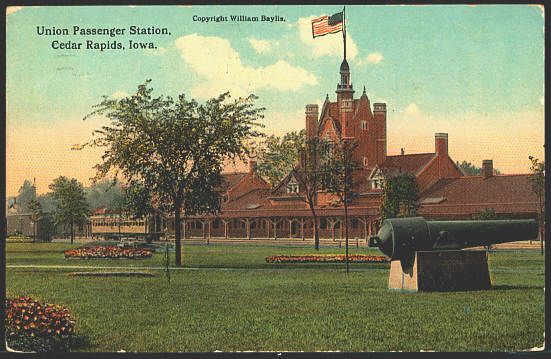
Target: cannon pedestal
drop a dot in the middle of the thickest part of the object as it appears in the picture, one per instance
(441, 271)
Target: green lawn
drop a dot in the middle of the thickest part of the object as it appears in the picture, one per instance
(261, 306)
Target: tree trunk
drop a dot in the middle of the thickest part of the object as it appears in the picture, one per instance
(72, 231)
(177, 235)
(541, 238)
(316, 234)
(346, 231)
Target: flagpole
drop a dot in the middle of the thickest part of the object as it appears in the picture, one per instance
(344, 29)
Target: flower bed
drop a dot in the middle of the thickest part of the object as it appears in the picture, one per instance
(35, 326)
(18, 238)
(108, 252)
(327, 258)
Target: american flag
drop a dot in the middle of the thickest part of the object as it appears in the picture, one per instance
(327, 24)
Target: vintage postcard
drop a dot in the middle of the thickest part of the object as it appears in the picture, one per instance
(343, 178)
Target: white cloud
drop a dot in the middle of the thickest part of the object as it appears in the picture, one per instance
(213, 59)
(373, 58)
(119, 94)
(11, 9)
(331, 44)
(412, 110)
(260, 46)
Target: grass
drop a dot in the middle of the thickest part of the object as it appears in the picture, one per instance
(272, 307)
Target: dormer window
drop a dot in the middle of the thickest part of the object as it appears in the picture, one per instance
(377, 180)
(292, 186)
(363, 125)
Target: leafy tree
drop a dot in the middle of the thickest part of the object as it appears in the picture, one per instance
(471, 170)
(400, 196)
(26, 194)
(36, 214)
(310, 177)
(71, 206)
(277, 156)
(47, 202)
(339, 169)
(487, 214)
(175, 147)
(105, 193)
(537, 180)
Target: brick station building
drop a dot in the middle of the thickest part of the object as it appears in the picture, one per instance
(251, 208)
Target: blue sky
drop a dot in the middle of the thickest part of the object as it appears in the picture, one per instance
(438, 68)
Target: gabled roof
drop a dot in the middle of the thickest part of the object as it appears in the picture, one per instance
(231, 179)
(292, 173)
(504, 193)
(412, 163)
(257, 198)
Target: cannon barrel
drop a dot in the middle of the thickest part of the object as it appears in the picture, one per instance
(400, 238)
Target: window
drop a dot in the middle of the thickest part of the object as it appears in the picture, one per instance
(354, 223)
(323, 223)
(363, 125)
(346, 105)
(376, 183)
(292, 186)
(366, 163)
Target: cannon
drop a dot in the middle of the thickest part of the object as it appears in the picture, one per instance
(405, 239)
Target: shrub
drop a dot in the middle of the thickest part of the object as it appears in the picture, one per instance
(35, 326)
(327, 258)
(18, 238)
(108, 252)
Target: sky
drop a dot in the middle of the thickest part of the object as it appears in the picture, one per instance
(474, 72)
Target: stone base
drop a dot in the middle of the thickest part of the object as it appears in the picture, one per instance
(442, 271)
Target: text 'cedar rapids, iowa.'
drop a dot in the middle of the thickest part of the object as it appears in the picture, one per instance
(93, 44)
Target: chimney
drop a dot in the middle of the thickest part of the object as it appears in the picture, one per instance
(487, 168)
(441, 143)
(402, 151)
(311, 121)
(252, 166)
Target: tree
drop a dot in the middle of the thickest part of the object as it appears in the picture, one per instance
(106, 193)
(175, 147)
(485, 215)
(47, 202)
(71, 206)
(36, 214)
(338, 177)
(26, 194)
(277, 156)
(310, 177)
(400, 196)
(537, 180)
(471, 170)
